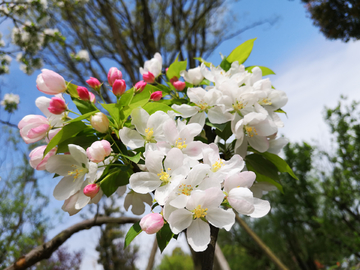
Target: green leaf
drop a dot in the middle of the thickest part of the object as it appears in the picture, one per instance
(134, 231)
(114, 111)
(208, 64)
(281, 111)
(262, 166)
(219, 127)
(263, 178)
(134, 159)
(175, 68)
(65, 133)
(205, 82)
(84, 106)
(241, 52)
(82, 117)
(72, 89)
(280, 164)
(226, 132)
(164, 236)
(155, 106)
(225, 64)
(163, 88)
(265, 71)
(126, 98)
(115, 178)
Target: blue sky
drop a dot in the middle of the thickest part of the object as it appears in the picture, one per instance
(312, 70)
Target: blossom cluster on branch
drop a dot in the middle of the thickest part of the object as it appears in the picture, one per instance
(197, 147)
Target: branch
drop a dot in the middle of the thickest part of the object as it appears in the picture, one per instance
(8, 123)
(45, 251)
(261, 244)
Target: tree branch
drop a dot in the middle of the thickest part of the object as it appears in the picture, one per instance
(8, 123)
(45, 251)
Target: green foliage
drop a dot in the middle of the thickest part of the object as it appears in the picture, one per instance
(178, 260)
(163, 236)
(265, 71)
(175, 68)
(134, 231)
(241, 52)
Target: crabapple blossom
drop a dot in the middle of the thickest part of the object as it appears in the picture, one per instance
(94, 83)
(137, 202)
(100, 122)
(179, 85)
(91, 190)
(57, 105)
(148, 77)
(156, 96)
(37, 159)
(98, 151)
(193, 75)
(73, 168)
(152, 223)
(50, 82)
(83, 93)
(139, 86)
(114, 74)
(152, 66)
(33, 128)
(119, 87)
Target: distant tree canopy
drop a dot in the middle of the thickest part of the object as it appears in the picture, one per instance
(337, 19)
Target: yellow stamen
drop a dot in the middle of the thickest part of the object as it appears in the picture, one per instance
(185, 189)
(251, 131)
(181, 144)
(164, 176)
(265, 101)
(199, 212)
(217, 165)
(149, 134)
(203, 106)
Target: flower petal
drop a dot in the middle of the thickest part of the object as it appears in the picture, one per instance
(198, 235)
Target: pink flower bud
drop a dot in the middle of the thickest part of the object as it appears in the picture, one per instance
(119, 87)
(94, 83)
(37, 159)
(114, 74)
(33, 128)
(57, 105)
(91, 190)
(100, 122)
(149, 77)
(83, 93)
(92, 97)
(49, 82)
(139, 86)
(174, 79)
(156, 96)
(152, 223)
(51, 134)
(166, 69)
(179, 85)
(98, 151)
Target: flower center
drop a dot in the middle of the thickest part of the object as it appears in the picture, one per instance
(164, 176)
(251, 131)
(77, 171)
(203, 106)
(238, 106)
(149, 134)
(217, 165)
(199, 212)
(180, 143)
(185, 189)
(265, 101)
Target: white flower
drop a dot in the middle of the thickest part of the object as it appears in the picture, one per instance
(201, 208)
(43, 103)
(241, 198)
(73, 167)
(83, 55)
(193, 75)
(149, 128)
(10, 99)
(154, 66)
(161, 178)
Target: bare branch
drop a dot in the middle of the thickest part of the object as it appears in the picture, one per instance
(8, 123)
(46, 250)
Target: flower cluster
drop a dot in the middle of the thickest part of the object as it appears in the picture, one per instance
(10, 102)
(193, 147)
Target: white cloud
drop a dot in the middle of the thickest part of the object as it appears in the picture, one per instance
(313, 78)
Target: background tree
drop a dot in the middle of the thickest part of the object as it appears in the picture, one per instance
(337, 19)
(178, 260)
(83, 38)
